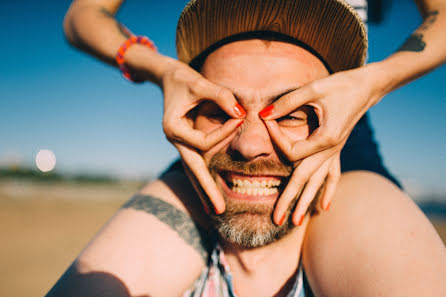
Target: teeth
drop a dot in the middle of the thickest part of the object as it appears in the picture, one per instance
(255, 188)
(256, 184)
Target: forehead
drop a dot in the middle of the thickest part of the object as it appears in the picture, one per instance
(258, 69)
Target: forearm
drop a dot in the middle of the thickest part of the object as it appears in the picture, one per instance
(422, 52)
(90, 26)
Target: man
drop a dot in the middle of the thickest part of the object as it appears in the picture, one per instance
(377, 242)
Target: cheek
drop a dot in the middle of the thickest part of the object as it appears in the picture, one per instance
(205, 125)
(296, 133)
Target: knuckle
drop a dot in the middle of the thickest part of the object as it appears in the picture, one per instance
(223, 93)
(198, 85)
(204, 145)
(331, 140)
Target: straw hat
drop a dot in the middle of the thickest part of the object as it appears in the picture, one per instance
(330, 29)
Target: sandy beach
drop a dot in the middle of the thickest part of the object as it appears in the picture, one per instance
(44, 226)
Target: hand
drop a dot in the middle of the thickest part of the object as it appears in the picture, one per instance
(184, 89)
(339, 101)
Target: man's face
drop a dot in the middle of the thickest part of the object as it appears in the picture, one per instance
(247, 166)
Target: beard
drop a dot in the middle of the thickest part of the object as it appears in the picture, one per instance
(249, 224)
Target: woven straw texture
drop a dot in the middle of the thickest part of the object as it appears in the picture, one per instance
(332, 28)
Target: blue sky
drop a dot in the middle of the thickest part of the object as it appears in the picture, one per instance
(54, 97)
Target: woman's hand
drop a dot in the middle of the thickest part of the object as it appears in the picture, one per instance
(339, 101)
(184, 89)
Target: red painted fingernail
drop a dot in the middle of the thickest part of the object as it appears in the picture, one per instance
(239, 124)
(281, 220)
(239, 111)
(266, 111)
(300, 221)
(327, 208)
(217, 212)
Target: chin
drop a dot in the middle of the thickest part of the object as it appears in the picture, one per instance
(248, 229)
(250, 200)
(251, 190)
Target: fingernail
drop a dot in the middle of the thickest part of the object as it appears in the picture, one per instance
(282, 219)
(300, 221)
(327, 207)
(216, 211)
(266, 111)
(239, 124)
(239, 111)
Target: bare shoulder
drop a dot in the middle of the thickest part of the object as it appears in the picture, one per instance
(151, 247)
(373, 241)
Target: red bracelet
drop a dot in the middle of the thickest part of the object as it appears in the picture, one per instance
(124, 47)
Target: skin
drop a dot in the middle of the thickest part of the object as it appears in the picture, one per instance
(422, 52)
(386, 243)
(90, 26)
(246, 68)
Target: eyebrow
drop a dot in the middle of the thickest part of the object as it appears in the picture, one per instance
(271, 99)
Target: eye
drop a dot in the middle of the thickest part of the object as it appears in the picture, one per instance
(218, 116)
(212, 112)
(293, 120)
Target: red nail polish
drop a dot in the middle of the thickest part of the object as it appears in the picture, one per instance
(300, 221)
(266, 111)
(281, 220)
(216, 211)
(327, 208)
(239, 124)
(239, 111)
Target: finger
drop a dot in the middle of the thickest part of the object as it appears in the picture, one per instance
(309, 194)
(292, 189)
(296, 150)
(184, 133)
(330, 184)
(199, 169)
(221, 96)
(288, 103)
(201, 195)
(298, 178)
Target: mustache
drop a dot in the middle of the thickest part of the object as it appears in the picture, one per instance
(225, 162)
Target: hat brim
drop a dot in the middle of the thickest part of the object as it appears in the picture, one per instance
(331, 29)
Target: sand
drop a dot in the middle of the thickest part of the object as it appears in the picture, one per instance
(45, 226)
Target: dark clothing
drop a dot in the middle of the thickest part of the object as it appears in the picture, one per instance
(361, 152)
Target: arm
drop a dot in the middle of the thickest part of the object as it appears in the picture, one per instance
(422, 52)
(151, 247)
(90, 26)
(374, 241)
(341, 103)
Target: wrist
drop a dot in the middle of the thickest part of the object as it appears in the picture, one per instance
(380, 79)
(147, 64)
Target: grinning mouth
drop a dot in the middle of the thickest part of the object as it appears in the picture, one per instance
(252, 185)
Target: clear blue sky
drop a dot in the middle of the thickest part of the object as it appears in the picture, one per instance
(54, 97)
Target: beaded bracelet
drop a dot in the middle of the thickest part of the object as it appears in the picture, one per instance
(124, 47)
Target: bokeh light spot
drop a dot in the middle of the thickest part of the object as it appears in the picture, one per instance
(45, 160)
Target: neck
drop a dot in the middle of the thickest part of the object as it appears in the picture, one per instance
(266, 270)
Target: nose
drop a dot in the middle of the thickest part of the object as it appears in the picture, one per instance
(253, 140)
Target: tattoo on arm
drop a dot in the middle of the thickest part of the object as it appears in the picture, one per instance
(179, 221)
(415, 42)
(124, 31)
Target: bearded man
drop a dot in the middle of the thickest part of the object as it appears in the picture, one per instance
(373, 242)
